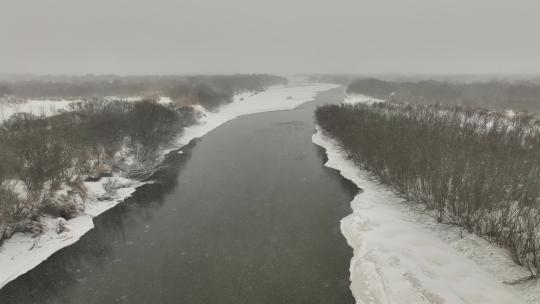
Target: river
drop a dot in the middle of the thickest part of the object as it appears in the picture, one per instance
(246, 214)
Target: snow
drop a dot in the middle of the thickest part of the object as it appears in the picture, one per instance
(22, 252)
(402, 256)
(164, 100)
(359, 98)
(124, 98)
(101, 200)
(34, 106)
(489, 257)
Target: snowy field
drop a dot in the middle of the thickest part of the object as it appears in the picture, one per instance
(22, 252)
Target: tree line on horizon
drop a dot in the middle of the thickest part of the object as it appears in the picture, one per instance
(497, 95)
(208, 90)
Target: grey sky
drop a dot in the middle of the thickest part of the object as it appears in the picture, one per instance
(279, 36)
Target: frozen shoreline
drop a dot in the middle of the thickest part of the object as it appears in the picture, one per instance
(402, 256)
(22, 252)
(488, 256)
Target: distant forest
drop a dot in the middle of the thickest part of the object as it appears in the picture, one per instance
(208, 90)
(520, 96)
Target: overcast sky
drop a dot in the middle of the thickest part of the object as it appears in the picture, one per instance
(278, 36)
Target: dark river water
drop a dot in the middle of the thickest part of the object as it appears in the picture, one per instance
(248, 214)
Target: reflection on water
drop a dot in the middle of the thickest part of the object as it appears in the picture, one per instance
(248, 214)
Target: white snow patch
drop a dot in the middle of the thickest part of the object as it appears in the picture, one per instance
(36, 107)
(101, 200)
(22, 252)
(397, 260)
(359, 98)
(164, 100)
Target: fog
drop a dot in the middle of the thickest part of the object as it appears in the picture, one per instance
(280, 36)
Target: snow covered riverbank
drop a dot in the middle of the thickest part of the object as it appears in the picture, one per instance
(403, 256)
(23, 252)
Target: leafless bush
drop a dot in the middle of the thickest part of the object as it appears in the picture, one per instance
(10, 203)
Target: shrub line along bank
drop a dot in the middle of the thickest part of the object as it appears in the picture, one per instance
(474, 168)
